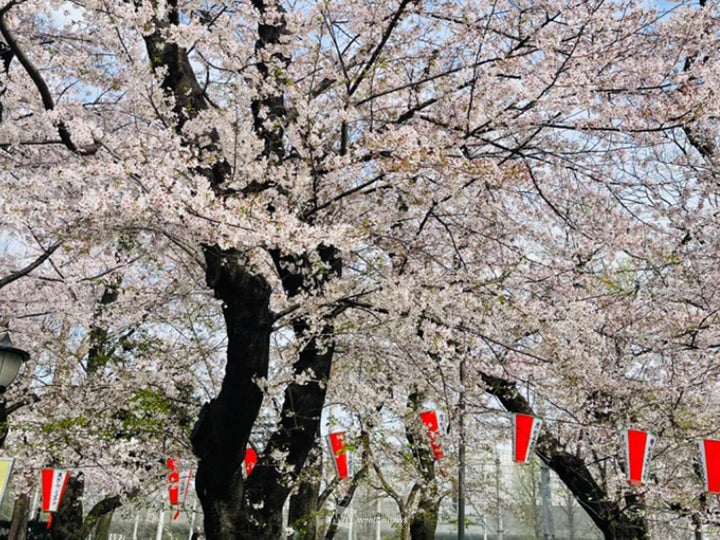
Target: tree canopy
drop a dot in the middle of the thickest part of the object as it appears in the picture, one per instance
(350, 197)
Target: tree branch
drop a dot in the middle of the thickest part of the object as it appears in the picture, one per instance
(41, 85)
(615, 521)
(30, 267)
(376, 53)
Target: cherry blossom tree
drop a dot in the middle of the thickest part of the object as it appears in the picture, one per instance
(526, 185)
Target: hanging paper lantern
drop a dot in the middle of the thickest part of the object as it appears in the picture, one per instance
(175, 488)
(174, 482)
(638, 453)
(429, 418)
(339, 450)
(710, 461)
(54, 482)
(250, 460)
(526, 429)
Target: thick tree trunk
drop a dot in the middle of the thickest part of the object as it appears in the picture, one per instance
(303, 508)
(19, 522)
(617, 521)
(221, 434)
(271, 482)
(424, 521)
(302, 514)
(236, 508)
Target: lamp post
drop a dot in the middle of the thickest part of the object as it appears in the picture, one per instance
(11, 358)
(461, 456)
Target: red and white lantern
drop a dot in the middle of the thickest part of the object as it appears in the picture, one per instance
(54, 482)
(176, 489)
(710, 461)
(526, 429)
(430, 419)
(250, 460)
(638, 453)
(338, 448)
(174, 482)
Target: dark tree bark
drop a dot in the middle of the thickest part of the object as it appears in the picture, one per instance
(14, 276)
(19, 521)
(221, 434)
(617, 520)
(252, 508)
(302, 513)
(271, 482)
(235, 508)
(3, 419)
(423, 521)
(100, 517)
(304, 504)
(67, 522)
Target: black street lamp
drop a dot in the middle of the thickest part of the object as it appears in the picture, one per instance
(11, 358)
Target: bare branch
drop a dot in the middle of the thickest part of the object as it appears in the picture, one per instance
(30, 267)
(41, 85)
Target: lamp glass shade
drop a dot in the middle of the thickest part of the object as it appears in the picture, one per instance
(11, 358)
(10, 363)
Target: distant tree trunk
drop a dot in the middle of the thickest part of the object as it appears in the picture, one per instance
(527, 493)
(697, 526)
(304, 505)
(67, 522)
(624, 520)
(358, 476)
(100, 518)
(103, 527)
(423, 521)
(405, 528)
(19, 521)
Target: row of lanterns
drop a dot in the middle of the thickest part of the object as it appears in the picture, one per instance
(638, 449)
(337, 444)
(637, 445)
